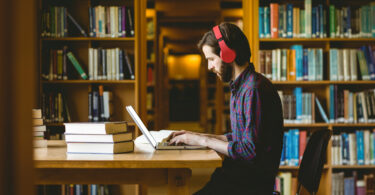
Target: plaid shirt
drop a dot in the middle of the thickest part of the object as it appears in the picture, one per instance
(256, 119)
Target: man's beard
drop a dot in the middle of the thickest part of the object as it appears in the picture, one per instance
(226, 72)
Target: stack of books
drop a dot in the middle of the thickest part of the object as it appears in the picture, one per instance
(38, 129)
(98, 138)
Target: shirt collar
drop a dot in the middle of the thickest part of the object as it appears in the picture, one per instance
(235, 85)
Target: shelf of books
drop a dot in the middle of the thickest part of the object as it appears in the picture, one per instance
(90, 58)
(320, 57)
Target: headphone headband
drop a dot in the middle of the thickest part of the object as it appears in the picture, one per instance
(226, 54)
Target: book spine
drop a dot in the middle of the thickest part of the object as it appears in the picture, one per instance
(129, 65)
(331, 104)
(281, 22)
(274, 19)
(363, 65)
(332, 20)
(95, 106)
(104, 64)
(360, 147)
(308, 18)
(90, 100)
(76, 65)
(261, 22)
(267, 24)
(289, 23)
(77, 25)
(101, 103)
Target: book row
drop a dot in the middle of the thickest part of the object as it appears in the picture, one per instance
(75, 189)
(55, 22)
(285, 183)
(54, 107)
(111, 21)
(105, 21)
(100, 104)
(298, 107)
(110, 64)
(296, 63)
(294, 144)
(345, 63)
(357, 148)
(291, 21)
(58, 67)
(351, 184)
(351, 107)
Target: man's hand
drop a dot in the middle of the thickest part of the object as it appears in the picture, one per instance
(186, 137)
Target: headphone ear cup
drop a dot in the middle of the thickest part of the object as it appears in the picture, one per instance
(226, 54)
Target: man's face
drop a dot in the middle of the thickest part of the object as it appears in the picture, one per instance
(215, 64)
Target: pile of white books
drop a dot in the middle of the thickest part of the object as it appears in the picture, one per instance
(98, 137)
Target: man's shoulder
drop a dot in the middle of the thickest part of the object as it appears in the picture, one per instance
(256, 81)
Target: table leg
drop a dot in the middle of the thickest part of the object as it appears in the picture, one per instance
(178, 181)
(142, 189)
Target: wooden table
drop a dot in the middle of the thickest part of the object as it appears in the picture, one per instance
(144, 166)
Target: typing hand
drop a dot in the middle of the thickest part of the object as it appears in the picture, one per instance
(186, 137)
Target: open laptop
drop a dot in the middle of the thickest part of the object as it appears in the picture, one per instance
(151, 139)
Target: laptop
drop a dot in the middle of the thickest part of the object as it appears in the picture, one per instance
(151, 139)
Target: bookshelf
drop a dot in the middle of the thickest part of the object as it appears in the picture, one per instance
(123, 40)
(320, 88)
(126, 91)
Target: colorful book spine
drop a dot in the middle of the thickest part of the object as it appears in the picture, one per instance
(261, 22)
(76, 65)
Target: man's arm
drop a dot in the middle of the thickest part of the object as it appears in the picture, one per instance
(218, 143)
(219, 137)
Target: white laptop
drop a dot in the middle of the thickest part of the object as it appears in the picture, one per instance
(151, 139)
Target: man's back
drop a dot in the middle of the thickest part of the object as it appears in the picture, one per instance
(256, 116)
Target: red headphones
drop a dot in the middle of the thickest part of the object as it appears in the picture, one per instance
(226, 54)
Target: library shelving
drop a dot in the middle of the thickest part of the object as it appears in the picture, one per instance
(321, 88)
(116, 28)
(75, 89)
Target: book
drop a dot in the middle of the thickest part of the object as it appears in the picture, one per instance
(37, 121)
(36, 113)
(321, 110)
(39, 128)
(101, 148)
(100, 128)
(109, 138)
(77, 25)
(76, 65)
(38, 133)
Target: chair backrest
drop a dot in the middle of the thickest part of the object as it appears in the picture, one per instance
(312, 163)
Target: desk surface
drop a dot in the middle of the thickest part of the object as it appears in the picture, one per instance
(144, 156)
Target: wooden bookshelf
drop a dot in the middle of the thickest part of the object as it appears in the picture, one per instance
(89, 82)
(89, 39)
(353, 166)
(125, 92)
(320, 88)
(296, 40)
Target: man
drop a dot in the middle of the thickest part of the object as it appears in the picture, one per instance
(253, 149)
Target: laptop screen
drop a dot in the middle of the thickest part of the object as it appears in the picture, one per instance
(141, 126)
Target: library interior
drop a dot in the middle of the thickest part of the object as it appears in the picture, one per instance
(90, 87)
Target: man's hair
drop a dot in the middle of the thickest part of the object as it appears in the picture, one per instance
(234, 38)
